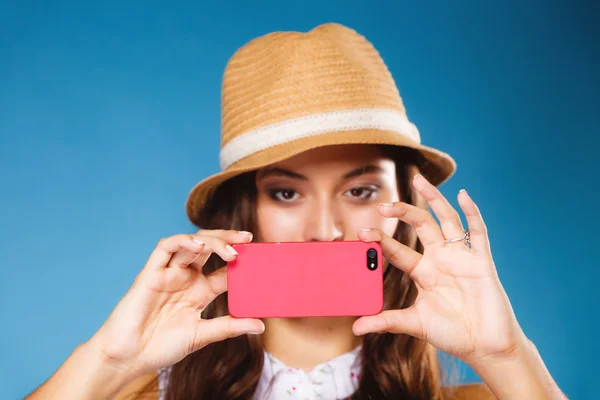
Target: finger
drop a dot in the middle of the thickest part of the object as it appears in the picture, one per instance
(222, 247)
(230, 236)
(213, 244)
(162, 254)
(218, 281)
(398, 254)
(406, 321)
(427, 229)
(184, 257)
(446, 214)
(477, 228)
(206, 290)
(221, 328)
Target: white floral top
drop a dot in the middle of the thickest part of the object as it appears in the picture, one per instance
(334, 379)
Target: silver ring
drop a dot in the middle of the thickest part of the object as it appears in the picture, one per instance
(466, 238)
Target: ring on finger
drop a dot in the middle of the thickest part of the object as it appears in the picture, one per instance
(466, 238)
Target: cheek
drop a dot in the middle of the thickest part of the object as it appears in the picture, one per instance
(367, 217)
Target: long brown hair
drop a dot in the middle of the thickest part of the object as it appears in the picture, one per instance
(394, 366)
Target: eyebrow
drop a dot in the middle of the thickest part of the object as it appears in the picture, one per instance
(281, 172)
(365, 169)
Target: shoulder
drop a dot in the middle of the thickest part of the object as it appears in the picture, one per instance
(472, 391)
(146, 384)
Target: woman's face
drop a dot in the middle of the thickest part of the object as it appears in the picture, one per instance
(326, 194)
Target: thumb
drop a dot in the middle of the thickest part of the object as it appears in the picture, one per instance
(221, 328)
(407, 321)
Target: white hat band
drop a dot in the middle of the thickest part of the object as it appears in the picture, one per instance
(264, 137)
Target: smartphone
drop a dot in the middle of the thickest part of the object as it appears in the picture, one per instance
(305, 279)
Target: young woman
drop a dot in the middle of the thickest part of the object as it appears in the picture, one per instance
(316, 146)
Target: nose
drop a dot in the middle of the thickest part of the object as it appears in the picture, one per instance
(324, 224)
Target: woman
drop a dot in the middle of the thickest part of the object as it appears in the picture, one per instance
(315, 146)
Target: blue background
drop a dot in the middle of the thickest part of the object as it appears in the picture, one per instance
(109, 113)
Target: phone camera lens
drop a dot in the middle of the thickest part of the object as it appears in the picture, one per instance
(372, 259)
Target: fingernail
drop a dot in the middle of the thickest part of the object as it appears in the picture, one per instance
(418, 176)
(231, 250)
(258, 332)
(387, 204)
(366, 229)
(462, 190)
(198, 241)
(246, 233)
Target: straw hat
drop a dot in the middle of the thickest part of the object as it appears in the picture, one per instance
(288, 92)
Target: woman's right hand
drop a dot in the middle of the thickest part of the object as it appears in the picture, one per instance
(156, 323)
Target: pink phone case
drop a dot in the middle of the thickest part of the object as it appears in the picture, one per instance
(301, 279)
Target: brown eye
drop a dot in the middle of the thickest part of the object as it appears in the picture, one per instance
(284, 195)
(362, 192)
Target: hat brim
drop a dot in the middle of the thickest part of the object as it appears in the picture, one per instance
(440, 166)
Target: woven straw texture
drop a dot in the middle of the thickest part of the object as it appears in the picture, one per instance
(284, 77)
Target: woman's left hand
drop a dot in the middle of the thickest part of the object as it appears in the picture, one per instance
(461, 307)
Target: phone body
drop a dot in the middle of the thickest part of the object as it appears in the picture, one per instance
(305, 279)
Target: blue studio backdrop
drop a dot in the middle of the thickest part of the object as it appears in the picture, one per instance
(109, 114)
